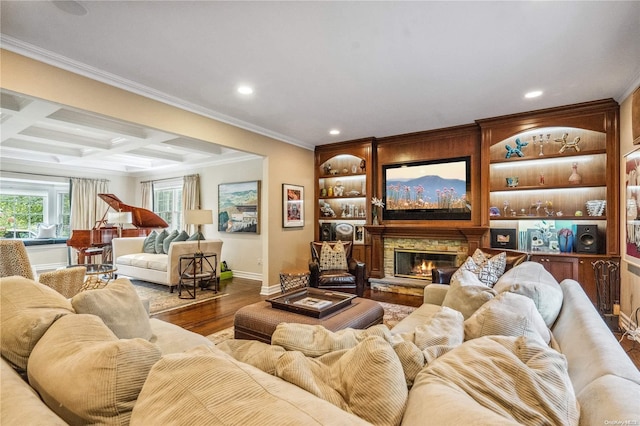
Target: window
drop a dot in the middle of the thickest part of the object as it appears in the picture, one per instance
(167, 202)
(22, 213)
(25, 204)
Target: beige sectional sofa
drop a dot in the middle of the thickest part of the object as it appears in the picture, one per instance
(145, 371)
(131, 260)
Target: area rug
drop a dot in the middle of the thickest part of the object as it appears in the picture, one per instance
(162, 300)
(393, 314)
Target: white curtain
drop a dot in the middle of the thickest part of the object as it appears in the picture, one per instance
(147, 195)
(190, 198)
(86, 207)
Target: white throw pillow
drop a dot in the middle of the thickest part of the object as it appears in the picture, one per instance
(46, 231)
(532, 280)
(509, 314)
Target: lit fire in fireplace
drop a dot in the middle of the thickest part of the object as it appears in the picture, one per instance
(423, 269)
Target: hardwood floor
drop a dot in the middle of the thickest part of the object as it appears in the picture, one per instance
(212, 316)
(208, 317)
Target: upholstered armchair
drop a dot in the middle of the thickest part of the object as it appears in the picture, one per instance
(334, 268)
(14, 260)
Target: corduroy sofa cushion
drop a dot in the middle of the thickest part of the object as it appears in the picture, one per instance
(206, 386)
(119, 307)
(27, 310)
(86, 374)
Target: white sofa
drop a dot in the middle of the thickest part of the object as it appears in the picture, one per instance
(131, 260)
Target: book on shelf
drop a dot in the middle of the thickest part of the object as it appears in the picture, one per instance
(313, 302)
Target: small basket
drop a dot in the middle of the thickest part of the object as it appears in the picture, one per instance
(293, 280)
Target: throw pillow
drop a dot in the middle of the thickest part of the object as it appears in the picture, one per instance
(167, 241)
(119, 306)
(333, 258)
(160, 240)
(149, 244)
(532, 280)
(366, 380)
(27, 310)
(196, 236)
(46, 231)
(86, 374)
(488, 269)
(509, 314)
(467, 293)
(183, 236)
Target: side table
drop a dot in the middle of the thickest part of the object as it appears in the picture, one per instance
(194, 268)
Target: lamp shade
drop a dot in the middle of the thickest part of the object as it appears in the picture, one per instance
(119, 217)
(198, 217)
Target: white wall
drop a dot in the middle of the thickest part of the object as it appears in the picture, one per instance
(242, 252)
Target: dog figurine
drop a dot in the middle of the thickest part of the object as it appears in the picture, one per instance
(517, 150)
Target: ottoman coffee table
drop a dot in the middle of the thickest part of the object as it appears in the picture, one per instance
(259, 320)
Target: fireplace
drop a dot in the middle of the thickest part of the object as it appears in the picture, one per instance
(409, 263)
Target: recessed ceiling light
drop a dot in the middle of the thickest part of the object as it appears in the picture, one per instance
(245, 90)
(533, 94)
(334, 132)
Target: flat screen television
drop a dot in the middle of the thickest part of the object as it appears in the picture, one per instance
(427, 190)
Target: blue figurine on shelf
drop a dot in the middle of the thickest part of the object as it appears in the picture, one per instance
(517, 150)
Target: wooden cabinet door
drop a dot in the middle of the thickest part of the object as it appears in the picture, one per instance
(587, 277)
(561, 267)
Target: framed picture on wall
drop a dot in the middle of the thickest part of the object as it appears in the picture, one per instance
(292, 206)
(239, 207)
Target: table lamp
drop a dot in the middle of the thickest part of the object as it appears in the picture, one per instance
(119, 218)
(198, 217)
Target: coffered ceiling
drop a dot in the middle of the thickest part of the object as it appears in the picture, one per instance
(39, 132)
(364, 68)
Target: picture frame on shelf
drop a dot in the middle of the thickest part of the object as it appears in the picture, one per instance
(632, 206)
(239, 207)
(292, 206)
(504, 238)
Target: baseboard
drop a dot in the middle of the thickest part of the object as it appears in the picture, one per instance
(247, 275)
(626, 323)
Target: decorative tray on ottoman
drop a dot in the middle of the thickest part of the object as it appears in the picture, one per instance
(312, 301)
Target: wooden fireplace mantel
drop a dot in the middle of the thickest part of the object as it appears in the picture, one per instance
(377, 233)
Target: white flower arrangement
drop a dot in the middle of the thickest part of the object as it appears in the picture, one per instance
(377, 202)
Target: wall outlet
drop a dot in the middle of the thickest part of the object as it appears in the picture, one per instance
(259, 261)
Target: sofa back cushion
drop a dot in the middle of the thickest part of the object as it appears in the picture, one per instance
(119, 307)
(86, 374)
(27, 310)
(532, 280)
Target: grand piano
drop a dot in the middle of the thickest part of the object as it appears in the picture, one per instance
(91, 241)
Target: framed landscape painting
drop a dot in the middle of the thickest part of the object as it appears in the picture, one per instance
(239, 207)
(292, 206)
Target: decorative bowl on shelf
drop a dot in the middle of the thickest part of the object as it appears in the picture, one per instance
(596, 207)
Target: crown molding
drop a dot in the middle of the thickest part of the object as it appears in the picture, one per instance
(67, 64)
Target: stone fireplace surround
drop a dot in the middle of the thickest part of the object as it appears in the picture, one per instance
(384, 239)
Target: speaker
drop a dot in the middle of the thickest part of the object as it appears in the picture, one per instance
(326, 232)
(587, 239)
